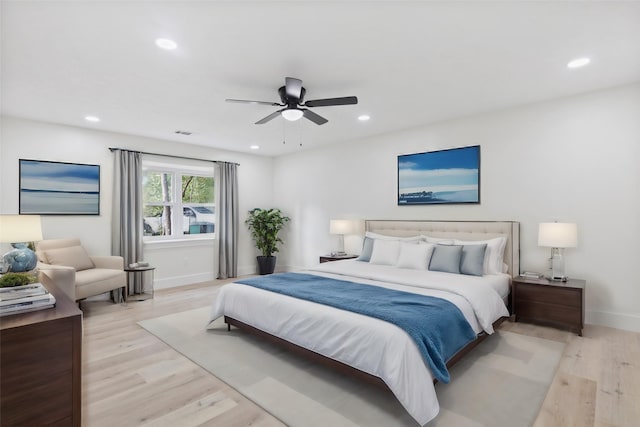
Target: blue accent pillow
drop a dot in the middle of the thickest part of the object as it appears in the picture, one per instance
(472, 259)
(446, 258)
(367, 249)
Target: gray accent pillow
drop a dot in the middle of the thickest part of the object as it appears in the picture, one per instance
(446, 258)
(472, 259)
(367, 249)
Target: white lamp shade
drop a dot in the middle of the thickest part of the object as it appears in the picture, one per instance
(341, 226)
(20, 228)
(558, 235)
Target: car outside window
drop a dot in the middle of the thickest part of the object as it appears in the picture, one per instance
(168, 192)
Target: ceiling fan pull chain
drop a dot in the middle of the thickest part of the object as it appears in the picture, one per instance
(300, 135)
(284, 135)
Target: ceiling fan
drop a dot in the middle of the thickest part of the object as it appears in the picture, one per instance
(292, 97)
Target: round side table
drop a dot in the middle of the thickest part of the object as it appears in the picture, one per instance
(147, 288)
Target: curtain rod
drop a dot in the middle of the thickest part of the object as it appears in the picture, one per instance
(171, 155)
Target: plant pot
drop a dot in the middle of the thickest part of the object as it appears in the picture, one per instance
(266, 264)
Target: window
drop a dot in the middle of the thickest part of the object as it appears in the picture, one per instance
(178, 201)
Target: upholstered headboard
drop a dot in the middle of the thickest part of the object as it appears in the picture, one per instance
(463, 230)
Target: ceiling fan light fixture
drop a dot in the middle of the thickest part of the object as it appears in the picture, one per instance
(166, 44)
(578, 62)
(292, 114)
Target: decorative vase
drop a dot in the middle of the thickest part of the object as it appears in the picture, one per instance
(21, 258)
(266, 264)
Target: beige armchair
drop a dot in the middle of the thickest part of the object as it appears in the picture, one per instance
(65, 263)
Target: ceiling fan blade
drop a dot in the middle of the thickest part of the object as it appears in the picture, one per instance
(293, 87)
(269, 117)
(346, 100)
(315, 118)
(245, 101)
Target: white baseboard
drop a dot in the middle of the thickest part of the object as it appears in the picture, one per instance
(627, 322)
(286, 268)
(190, 279)
(247, 270)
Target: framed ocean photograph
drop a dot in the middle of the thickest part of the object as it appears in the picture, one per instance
(439, 177)
(56, 188)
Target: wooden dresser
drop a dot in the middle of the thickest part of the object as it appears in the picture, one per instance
(40, 361)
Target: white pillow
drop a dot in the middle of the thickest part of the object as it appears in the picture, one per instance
(415, 256)
(439, 240)
(494, 255)
(385, 237)
(385, 252)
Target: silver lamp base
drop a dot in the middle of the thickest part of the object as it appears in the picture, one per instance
(557, 265)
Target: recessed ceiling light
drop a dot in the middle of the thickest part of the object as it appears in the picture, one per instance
(255, 147)
(166, 44)
(579, 62)
(93, 119)
(363, 117)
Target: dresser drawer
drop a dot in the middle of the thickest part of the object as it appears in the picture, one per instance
(570, 297)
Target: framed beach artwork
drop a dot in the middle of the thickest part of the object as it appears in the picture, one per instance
(56, 188)
(439, 177)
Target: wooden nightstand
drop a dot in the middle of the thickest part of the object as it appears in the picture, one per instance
(329, 258)
(559, 304)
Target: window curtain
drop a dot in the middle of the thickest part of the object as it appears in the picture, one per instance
(126, 223)
(226, 182)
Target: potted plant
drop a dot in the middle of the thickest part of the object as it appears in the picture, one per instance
(265, 224)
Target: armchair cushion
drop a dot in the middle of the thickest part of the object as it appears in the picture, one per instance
(95, 281)
(72, 256)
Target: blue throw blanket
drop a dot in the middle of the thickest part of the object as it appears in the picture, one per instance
(437, 326)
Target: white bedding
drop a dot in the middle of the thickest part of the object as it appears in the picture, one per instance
(371, 345)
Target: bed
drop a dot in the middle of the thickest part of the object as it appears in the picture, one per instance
(371, 348)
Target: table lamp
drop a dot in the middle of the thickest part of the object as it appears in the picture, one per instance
(341, 227)
(20, 230)
(557, 236)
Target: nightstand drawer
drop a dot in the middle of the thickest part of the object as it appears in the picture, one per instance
(569, 297)
(547, 312)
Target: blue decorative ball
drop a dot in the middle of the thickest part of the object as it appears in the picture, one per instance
(21, 258)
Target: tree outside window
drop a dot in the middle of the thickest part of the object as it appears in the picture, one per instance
(177, 204)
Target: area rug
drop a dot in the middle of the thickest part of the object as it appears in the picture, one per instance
(501, 383)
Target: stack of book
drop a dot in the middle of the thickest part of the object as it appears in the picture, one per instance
(139, 264)
(20, 299)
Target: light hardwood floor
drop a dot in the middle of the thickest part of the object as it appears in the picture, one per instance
(131, 378)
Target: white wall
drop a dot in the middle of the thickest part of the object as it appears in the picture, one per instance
(575, 159)
(177, 263)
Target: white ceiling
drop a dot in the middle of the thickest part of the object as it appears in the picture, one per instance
(409, 63)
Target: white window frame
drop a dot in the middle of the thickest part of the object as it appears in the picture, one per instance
(177, 169)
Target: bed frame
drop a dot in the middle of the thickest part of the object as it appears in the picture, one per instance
(463, 230)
